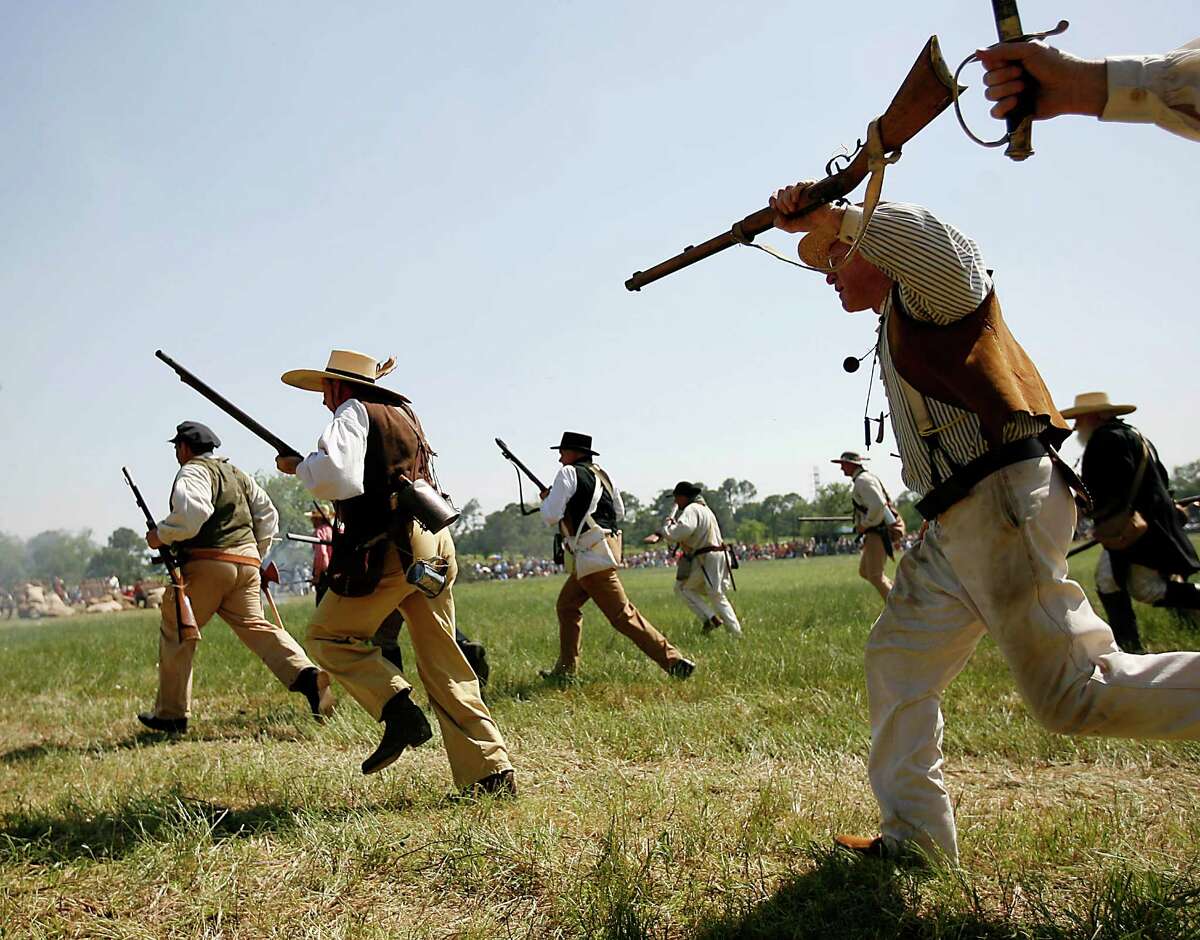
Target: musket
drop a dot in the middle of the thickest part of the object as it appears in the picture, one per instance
(187, 378)
(1092, 543)
(521, 468)
(185, 619)
(310, 539)
(825, 518)
(926, 92)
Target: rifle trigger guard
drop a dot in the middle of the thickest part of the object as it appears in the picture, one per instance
(956, 89)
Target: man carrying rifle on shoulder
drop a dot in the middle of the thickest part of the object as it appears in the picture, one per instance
(977, 432)
(374, 462)
(1146, 553)
(221, 522)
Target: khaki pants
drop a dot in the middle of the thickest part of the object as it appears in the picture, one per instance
(605, 588)
(339, 637)
(232, 593)
(870, 564)
(996, 562)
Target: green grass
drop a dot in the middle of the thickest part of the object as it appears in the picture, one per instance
(648, 809)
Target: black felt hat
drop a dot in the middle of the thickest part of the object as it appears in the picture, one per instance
(573, 440)
(196, 435)
(684, 488)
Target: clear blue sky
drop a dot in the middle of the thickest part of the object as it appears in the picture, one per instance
(467, 186)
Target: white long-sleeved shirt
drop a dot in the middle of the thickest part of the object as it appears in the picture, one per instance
(192, 504)
(867, 492)
(566, 482)
(335, 469)
(695, 526)
(1156, 89)
(942, 278)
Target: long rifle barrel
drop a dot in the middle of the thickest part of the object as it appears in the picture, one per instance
(925, 93)
(509, 455)
(825, 518)
(1092, 543)
(137, 495)
(187, 378)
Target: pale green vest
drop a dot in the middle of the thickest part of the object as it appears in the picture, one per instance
(231, 523)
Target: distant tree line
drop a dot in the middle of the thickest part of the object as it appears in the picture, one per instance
(74, 556)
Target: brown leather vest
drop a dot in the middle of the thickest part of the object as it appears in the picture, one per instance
(975, 364)
(393, 450)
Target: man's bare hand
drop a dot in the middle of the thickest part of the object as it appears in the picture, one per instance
(787, 201)
(153, 540)
(652, 538)
(1066, 84)
(542, 494)
(287, 464)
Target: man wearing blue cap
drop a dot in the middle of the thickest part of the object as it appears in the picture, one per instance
(221, 522)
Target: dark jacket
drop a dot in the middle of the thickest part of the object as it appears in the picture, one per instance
(1110, 463)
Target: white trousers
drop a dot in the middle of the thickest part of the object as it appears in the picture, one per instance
(996, 561)
(704, 590)
(1143, 584)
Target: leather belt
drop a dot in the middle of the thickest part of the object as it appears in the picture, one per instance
(965, 478)
(216, 554)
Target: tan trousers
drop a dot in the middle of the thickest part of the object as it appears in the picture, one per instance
(232, 593)
(605, 588)
(871, 562)
(996, 562)
(339, 637)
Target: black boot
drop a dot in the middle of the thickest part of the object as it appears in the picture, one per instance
(404, 725)
(1118, 607)
(313, 684)
(1181, 595)
(165, 725)
(476, 657)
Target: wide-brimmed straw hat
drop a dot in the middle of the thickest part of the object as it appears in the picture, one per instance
(1095, 403)
(815, 246)
(345, 365)
(850, 456)
(573, 440)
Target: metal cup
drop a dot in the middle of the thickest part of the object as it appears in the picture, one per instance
(428, 575)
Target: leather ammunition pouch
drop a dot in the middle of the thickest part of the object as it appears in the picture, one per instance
(1120, 530)
(355, 571)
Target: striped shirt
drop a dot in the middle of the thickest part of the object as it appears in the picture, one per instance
(941, 278)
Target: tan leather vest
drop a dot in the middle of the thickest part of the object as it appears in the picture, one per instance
(975, 364)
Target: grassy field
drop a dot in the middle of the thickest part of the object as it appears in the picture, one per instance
(648, 807)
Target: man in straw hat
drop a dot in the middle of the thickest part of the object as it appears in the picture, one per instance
(705, 570)
(977, 431)
(221, 522)
(367, 461)
(873, 514)
(586, 506)
(1147, 559)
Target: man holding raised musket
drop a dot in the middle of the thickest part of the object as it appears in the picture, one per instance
(977, 432)
(370, 459)
(221, 522)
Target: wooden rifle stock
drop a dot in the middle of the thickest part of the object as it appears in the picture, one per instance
(926, 92)
(187, 378)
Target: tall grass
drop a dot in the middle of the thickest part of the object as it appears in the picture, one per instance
(649, 808)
